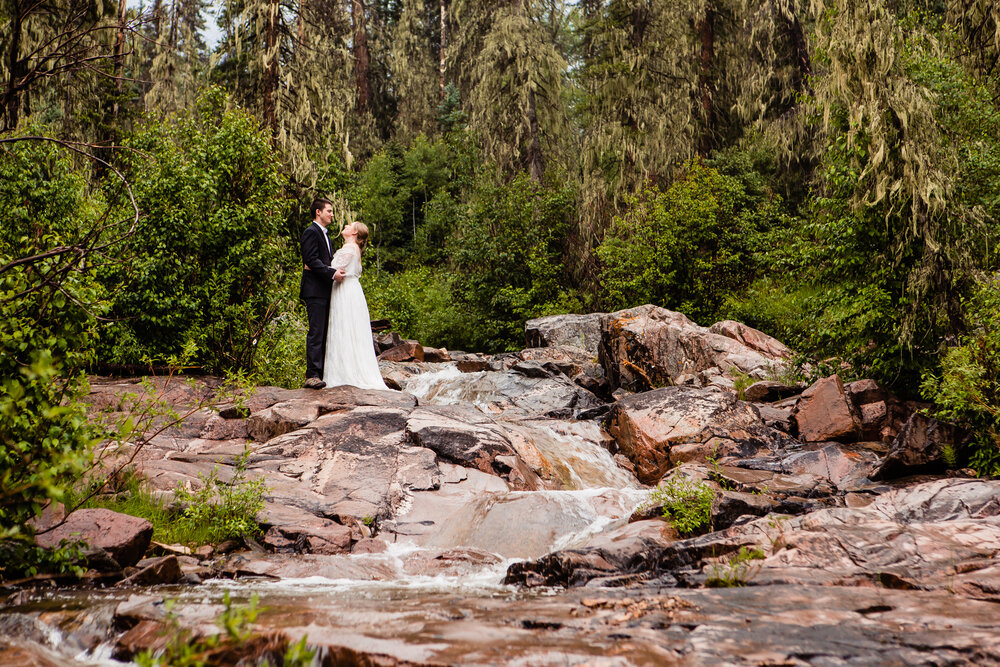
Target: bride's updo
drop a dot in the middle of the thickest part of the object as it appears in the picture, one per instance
(362, 234)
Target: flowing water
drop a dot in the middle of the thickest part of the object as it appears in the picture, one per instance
(442, 601)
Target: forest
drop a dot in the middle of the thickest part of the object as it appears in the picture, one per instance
(827, 171)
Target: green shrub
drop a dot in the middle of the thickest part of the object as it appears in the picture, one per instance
(507, 253)
(687, 247)
(687, 504)
(967, 389)
(419, 304)
(47, 332)
(735, 571)
(221, 510)
(184, 649)
(218, 511)
(208, 264)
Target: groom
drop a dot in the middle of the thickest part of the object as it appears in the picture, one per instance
(314, 290)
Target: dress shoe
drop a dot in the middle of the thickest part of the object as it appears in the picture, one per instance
(314, 383)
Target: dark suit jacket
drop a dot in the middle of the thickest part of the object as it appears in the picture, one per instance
(318, 280)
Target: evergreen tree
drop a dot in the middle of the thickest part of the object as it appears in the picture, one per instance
(415, 70)
(178, 58)
(510, 72)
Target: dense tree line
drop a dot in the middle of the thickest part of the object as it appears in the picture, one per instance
(827, 171)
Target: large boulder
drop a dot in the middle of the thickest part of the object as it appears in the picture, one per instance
(648, 346)
(125, 538)
(825, 413)
(464, 436)
(920, 447)
(580, 331)
(752, 338)
(659, 428)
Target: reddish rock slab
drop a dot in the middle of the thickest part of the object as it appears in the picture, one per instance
(462, 435)
(162, 570)
(125, 538)
(824, 413)
(752, 338)
(647, 426)
(292, 529)
(919, 447)
(648, 346)
(436, 355)
(405, 351)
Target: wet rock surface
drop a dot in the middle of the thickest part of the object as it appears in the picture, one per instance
(497, 510)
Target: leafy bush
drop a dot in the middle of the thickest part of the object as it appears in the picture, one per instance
(507, 252)
(967, 390)
(419, 303)
(735, 571)
(208, 263)
(689, 246)
(47, 331)
(218, 511)
(221, 510)
(687, 504)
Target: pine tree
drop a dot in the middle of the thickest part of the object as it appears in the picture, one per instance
(510, 72)
(178, 56)
(415, 71)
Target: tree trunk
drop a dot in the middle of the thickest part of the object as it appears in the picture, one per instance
(303, 8)
(801, 81)
(11, 99)
(361, 57)
(444, 44)
(706, 57)
(119, 55)
(535, 165)
(271, 67)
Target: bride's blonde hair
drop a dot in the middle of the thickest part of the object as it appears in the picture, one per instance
(362, 231)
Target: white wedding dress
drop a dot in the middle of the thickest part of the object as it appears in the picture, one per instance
(350, 352)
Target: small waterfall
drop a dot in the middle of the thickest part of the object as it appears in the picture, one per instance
(449, 386)
(595, 492)
(570, 453)
(529, 524)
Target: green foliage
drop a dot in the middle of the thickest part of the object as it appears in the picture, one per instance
(47, 331)
(419, 303)
(689, 246)
(222, 510)
(281, 347)
(737, 570)
(207, 264)
(21, 557)
(185, 649)
(687, 504)
(967, 390)
(508, 251)
(218, 511)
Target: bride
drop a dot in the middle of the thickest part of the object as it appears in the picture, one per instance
(350, 353)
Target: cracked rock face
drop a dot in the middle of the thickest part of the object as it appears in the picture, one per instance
(659, 428)
(942, 535)
(648, 346)
(396, 516)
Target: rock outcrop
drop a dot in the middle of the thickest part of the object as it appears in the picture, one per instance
(124, 538)
(393, 516)
(646, 347)
(660, 428)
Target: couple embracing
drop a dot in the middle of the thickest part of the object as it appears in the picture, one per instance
(339, 348)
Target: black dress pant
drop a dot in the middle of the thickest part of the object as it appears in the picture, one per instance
(318, 312)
